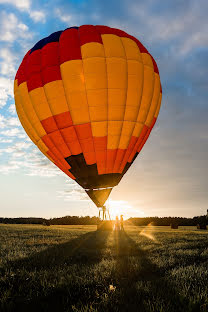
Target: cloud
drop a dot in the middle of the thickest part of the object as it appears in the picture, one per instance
(19, 4)
(11, 29)
(12, 109)
(38, 16)
(76, 193)
(6, 90)
(14, 132)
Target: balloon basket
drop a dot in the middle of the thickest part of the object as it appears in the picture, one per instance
(105, 226)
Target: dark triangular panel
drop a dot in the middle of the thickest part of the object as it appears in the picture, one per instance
(99, 197)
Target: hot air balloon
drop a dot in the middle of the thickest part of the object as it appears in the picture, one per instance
(88, 97)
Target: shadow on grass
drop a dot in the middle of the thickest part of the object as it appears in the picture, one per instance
(140, 284)
(25, 289)
(143, 286)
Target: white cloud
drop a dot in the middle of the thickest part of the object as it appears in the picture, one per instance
(38, 16)
(76, 193)
(7, 63)
(14, 132)
(12, 109)
(11, 29)
(5, 140)
(186, 29)
(6, 90)
(20, 4)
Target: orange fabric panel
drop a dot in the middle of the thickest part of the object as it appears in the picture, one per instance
(111, 156)
(139, 141)
(119, 157)
(63, 120)
(49, 124)
(84, 135)
(146, 136)
(100, 145)
(60, 144)
(132, 143)
(70, 137)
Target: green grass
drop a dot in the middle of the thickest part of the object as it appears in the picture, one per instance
(76, 268)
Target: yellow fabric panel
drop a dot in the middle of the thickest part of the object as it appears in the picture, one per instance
(40, 103)
(137, 129)
(99, 129)
(29, 110)
(73, 76)
(131, 112)
(148, 88)
(55, 94)
(98, 97)
(92, 49)
(135, 76)
(113, 141)
(98, 113)
(154, 103)
(147, 60)
(116, 112)
(126, 134)
(42, 146)
(95, 73)
(114, 127)
(117, 73)
(131, 49)
(23, 119)
(158, 106)
(78, 107)
(113, 46)
(116, 104)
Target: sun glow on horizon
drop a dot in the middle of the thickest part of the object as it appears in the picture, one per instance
(121, 207)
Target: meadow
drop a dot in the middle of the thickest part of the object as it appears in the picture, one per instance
(76, 268)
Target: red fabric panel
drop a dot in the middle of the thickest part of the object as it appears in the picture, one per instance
(20, 75)
(156, 70)
(50, 54)
(34, 81)
(33, 63)
(89, 33)
(63, 120)
(111, 156)
(119, 157)
(69, 45)
(70, 137)
(51, 73)
(104, 29)
(49, 124)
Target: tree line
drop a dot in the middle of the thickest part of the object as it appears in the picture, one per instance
(75, 220)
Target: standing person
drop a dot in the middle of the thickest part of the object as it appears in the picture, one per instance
(121, 222)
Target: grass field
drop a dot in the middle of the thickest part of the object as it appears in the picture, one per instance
(76, 268)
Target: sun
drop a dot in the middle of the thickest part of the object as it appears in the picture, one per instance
(117, 208)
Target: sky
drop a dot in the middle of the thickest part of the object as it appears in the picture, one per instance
(169, 177)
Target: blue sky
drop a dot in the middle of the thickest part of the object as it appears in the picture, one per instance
(170, 175)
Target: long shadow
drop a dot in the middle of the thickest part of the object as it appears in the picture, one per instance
(139, 281)
(74, 257)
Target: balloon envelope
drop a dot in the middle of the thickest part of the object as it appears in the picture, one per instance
(88, 97)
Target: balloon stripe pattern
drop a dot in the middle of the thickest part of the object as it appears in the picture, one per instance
(88, 97)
